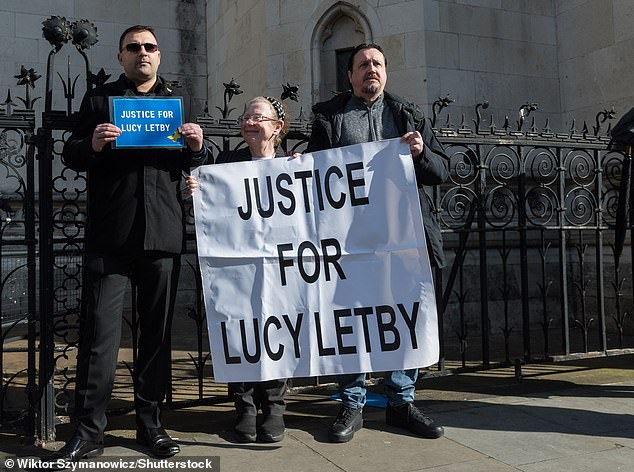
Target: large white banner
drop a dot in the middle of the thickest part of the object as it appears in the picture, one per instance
(315, 265)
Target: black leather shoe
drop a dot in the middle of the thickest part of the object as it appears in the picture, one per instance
(158, 441)
(73, 451)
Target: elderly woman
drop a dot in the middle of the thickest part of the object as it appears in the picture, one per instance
(263, 125)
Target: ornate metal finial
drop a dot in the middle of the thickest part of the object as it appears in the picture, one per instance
(478, 110)
(547, 128)
(533, 126)
(27, 76)
(524, 111)
(231, 89)
(573, 127)
(56, 30)
(601, 117)
(69, 87)
(438, 105)
(492, 126)
(28, 79)
(9, 104)
(84, 34)
(290, 91)
(99, 78)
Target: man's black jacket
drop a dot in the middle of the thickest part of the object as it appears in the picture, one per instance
(135, 198)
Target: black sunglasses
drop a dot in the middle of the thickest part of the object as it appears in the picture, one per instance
(136, 47)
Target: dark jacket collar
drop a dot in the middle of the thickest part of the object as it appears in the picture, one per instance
(161, 86)
(336, 104)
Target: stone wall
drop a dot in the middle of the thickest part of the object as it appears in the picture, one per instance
(504, 52)
(496, 50)
(179, 24)
(568, 56)
(595, 56)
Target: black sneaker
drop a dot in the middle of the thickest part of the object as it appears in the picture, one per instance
(348, 421)
(272, 429)
(411, 418)
(245, 428)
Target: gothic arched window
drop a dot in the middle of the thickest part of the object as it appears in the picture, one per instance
(338, 31)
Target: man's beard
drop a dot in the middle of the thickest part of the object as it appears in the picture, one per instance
(370, 88)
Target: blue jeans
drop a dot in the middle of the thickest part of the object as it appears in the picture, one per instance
(399, 388)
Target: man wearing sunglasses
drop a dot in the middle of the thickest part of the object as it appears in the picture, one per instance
(135, 232)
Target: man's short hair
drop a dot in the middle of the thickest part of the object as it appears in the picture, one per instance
(361, 47)
(135, 29)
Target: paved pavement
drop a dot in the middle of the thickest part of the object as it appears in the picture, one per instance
(575, 416)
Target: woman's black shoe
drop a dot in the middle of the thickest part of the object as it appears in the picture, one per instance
(272, 429)
(244, 428)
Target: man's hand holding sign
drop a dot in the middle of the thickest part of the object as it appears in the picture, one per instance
(147, 122)
(316, 265)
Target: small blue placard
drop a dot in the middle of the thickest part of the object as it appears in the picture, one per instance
(147, 121)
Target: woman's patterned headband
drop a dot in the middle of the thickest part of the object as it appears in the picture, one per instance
(279, 109)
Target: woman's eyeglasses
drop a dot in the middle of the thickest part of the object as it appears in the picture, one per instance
(257, 118)
(136, 47)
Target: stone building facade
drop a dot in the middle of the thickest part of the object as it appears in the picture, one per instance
(567, 56)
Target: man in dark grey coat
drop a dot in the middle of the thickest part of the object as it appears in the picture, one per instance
(365, 114)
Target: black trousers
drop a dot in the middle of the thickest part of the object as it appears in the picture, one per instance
(156, 278)
(268, 396)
